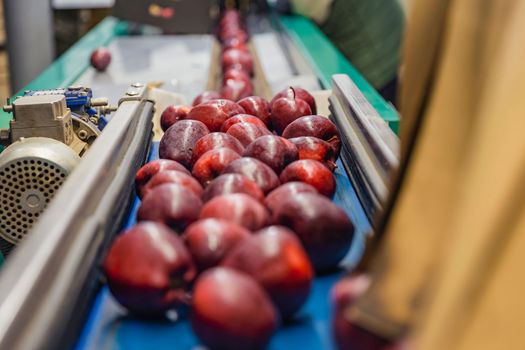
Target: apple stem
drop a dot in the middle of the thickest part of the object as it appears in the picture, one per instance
(291, 93)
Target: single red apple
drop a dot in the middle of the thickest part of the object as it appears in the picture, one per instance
(179, 141)
(247, 133)
(100, 59)
(234, 58)
(205, 97)
(276, 259)
(256, 171)
(229, 107)
(258, 107)
(210, 240)
(235, 90)
(232, 311)
(211, 115)
(238, 208)
(173, 114)
(242, 118)
(274, 151)
(212, 163)
(149, 270)
(235, 43)
(170, 204)
(299, 93)
(325, 230)
(235, 74)
(316, 149)
(216, 140)
(315, 126)
(154, 167)
(290, 189)
(232, 183)
(286, 109)
(173, 177)
(311, 172)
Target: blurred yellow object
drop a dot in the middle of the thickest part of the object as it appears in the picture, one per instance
(450, 264)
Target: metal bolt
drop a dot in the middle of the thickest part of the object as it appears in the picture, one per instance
(137, 85)
(132, 93)
(82, 134)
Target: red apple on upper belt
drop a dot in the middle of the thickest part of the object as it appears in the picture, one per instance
(232, 183)
(256, 171)
(212, 163)
(274, 151)
(299, 93)
(237, 58)
(100, 59)
(315, 126)
(235, 90)
(285, 110)
(173, 114)
(258, 107)
(235, 74)
(180, 139)
(154, 167)
(311, 172)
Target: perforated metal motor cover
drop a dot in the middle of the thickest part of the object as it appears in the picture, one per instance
(31, 172)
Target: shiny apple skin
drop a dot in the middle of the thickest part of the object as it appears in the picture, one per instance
(179, 141)
(100, 59)
(289, 189)
(234, 58)
(313, 173)
(242, 118)
(216, 140)
(206, 96)
(209, 241)
(232, 183)
(238, 208)
(299, 93)
(154, 167)
(315, 126)
(170, 204)
(274, 151)
(247, 133)
(173, 177)
(232, 311)
(256, 171)
(316, 149)
(173, 114)
(149, 270)
(287, 109)
(236, 89)
(276, 259)
(325, 230)
(258, 107)
(212, 163)
(211, 115)
(235, 74)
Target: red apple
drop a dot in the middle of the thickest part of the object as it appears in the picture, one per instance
(216, 140)
(205, 97)
(212, 163)
(324, 229)
(229, 107)
(152, 168)
(311, 172)
(149, 270)
(170, 204)
(256, 171)
(232, 311)
(234, 90)
(238, 208)
(235, 58)
(173, 114)
(100, 59)
(246, 133)
(299, 93)
(232, 183)
(276, 259)
(235, 74)
(242, 118)
(274, 151)
(286, 109)
(210, 240)
(258, 107)
(287, 190)
(179, 141)
(315, 126)
(173, 177)
(211, 115)
(235, 43)
(316, 149)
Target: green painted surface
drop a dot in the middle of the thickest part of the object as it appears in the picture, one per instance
(327, 60)
(68, 67)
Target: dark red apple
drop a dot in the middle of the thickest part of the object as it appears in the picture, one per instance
(172, 177)
(209, 114)
(179, 141)
(256, 171)
(325, 230)
(299, 93)
(216, 140)
(235, 90)
(286, 109)
(229, 107)
(235, 43)
(235, 58)
(239, 208)
(205, 97)
(210, 240)
(258, 107)
(173, 114)
(274, 151)
(170, 204)
(246, 133)
(276, 259)
(154, 167)
(311, 172)
(149, 270)
(315, 126)
(212, 163)
(316, 149)
(232, 311)
(290, 189)
(235, 74)
(242, 118)
(232, 183)
(100, 59)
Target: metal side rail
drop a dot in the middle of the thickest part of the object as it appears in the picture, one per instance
(46, 285)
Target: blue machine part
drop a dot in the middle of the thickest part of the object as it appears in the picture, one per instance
(76, 99)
